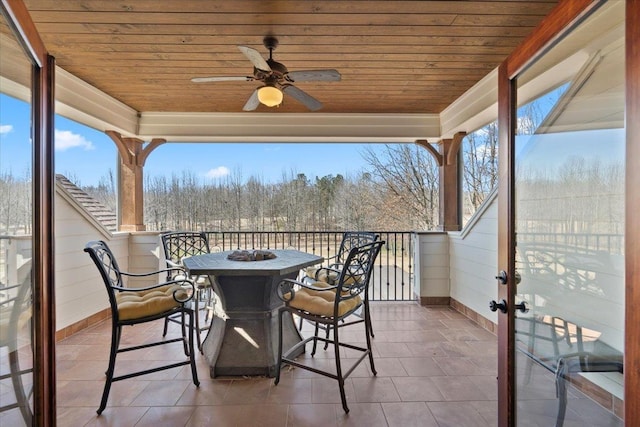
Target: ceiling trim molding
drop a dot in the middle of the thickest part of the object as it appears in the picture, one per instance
(288, 127)
(79, 101)
(475, 108)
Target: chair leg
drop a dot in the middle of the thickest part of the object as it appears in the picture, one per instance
(367, 317)
(192, 356)
(210, 306)
(115, 342)
(22, 398)
(315, 339)
(336, 347)
(561, 391)
(196, 312)
(279, 359)
(368, 334)
(185, 337)
(166, 327)
(327, 330)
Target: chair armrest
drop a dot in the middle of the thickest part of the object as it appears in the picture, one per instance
(151, 273)
(183, 283)
(287, 288)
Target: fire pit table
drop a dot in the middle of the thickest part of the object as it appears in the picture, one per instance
(243, 337)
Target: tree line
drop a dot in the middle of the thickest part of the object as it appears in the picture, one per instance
(398, 190)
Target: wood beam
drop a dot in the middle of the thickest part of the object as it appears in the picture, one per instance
(133, 155)
(449, 214)
(450, 201)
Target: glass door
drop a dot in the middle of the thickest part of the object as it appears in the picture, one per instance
(16, 233)
(569, 229)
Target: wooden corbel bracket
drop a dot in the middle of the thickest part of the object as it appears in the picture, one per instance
(132, 150)
(450, 150)
(433, 150)
(455, 147)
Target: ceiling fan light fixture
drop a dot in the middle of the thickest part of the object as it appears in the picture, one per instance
(270, 96)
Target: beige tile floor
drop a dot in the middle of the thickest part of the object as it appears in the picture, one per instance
(435, 368)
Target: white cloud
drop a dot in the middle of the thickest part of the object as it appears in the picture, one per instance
(65, 139)
(218, 172)
(5, 129)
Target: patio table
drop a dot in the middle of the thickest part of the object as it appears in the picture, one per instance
(243, 337)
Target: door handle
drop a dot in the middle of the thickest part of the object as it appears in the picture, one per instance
(495, 306)
(522, 307)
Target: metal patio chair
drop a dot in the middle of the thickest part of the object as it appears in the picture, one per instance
(134, 306)
(181, 244)
(330, 273)
(329, 305)
(15, 319)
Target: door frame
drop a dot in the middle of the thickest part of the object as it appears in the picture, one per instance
(556, 25)
(42, 130)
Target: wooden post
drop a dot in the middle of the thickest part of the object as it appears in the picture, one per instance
(450, 195)
(133, 155)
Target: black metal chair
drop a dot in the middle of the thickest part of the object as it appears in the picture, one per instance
(133, 306)
(329, 305)
(330, 273)
(15, 318)
(181, 244)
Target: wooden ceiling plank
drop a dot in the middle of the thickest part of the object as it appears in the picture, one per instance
(256, 32)
(308, 7)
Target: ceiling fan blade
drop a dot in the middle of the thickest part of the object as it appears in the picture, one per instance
(252, 102)
(256, 59)
(314, 76)
(221, 79)
(303, 97)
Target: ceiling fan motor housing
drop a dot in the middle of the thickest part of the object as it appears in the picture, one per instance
(278, 71)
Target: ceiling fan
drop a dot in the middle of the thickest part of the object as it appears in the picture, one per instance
(276, 79)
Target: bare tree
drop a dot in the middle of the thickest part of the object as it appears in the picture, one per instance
(480, 170)
(410, 178)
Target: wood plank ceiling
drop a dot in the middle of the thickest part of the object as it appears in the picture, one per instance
(394, 56)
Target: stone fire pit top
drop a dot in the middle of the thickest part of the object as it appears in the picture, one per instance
(251, 255)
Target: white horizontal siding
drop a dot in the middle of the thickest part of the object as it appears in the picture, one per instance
(473, 263)
(80, 292)
(433, 273)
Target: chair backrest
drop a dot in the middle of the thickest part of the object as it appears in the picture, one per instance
(182, 244)
(107, 266)
(352, 239)
(356, 273)
(15, 311)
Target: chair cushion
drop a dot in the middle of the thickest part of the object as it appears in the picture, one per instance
(322, 274)
(331, 276)
(322, 302)
(139, 304)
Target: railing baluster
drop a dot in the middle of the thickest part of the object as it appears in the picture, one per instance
(385, 284)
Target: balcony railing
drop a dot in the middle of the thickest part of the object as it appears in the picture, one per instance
(392, 278)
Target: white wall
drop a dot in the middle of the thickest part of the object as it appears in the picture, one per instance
(473, 261)
(432, 264)
(145, 254)
(80, 291)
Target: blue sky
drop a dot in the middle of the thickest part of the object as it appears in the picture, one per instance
(86, 155)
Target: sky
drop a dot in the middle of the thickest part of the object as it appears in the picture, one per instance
(86, 155)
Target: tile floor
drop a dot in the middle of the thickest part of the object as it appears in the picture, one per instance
(435, 368)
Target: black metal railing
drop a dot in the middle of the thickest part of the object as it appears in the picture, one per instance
(392, 279)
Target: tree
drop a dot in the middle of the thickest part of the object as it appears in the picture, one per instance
(409, 177)
(480, 170)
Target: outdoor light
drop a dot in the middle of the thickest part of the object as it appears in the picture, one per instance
(270, 96)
